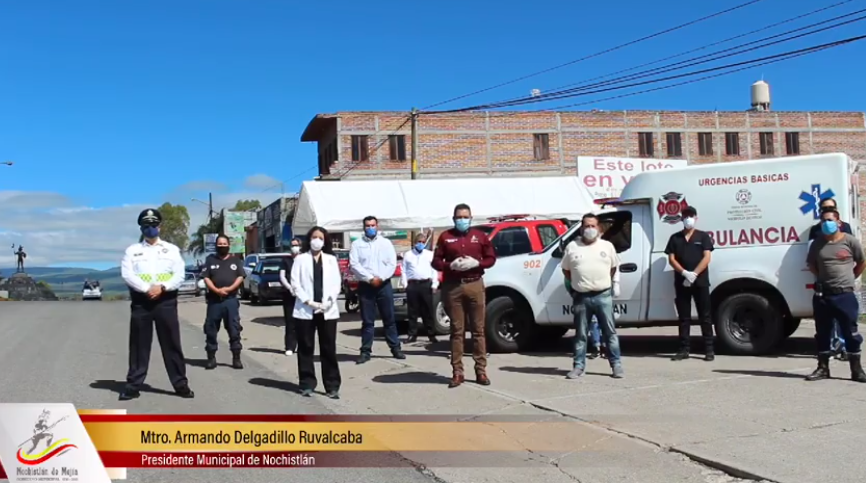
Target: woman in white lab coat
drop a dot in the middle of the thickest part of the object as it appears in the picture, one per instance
(316, 284)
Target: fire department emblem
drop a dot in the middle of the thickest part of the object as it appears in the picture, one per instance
(743, 197)
(670, 207)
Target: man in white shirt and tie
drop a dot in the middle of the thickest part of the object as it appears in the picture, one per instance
(420, 281)
(373, 261)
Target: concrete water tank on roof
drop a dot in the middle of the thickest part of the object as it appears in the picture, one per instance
(761, 96)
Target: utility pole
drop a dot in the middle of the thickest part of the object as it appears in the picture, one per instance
(209, 208)
(414, 143)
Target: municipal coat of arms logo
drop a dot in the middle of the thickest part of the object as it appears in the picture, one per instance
(670, 207)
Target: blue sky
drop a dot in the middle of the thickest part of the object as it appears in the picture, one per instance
(107, 103)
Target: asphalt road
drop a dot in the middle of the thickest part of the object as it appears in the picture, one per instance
(76, 352)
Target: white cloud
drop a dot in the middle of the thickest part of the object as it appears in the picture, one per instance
(261, 181)
(66, 234)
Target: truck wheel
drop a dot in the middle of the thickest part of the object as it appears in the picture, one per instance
(441, 321)
(254, 300)
(748, 324)
(507, 328)
(791, 326)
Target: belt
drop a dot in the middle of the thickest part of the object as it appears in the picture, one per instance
(834, 291)
(591, 293)
(463, 280)
(426, 280)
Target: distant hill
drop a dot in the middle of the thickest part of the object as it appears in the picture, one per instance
(65, 281)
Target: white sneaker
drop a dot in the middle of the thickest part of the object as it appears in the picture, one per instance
(289, 353)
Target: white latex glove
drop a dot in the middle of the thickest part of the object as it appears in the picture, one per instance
(686, 283)
(317, 307)
(616, 289)
(690, 276)
(327, 305)
(459, 264)
(470, 263)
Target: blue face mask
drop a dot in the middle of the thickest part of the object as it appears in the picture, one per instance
(370, 232)
(419, 247)
(150, 231)
(829, 227)
(462, 224)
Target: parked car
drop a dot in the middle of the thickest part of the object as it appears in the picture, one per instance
(250, 263)
(511, 235)
(91, 291)
(190, 286)
(264, 281)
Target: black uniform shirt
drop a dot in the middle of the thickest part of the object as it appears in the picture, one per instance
(286, 266)
(318, 280)
(689, 254)
(222, 273)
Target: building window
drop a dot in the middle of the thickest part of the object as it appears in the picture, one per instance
(397, 145)
(359, 148)
(645, 144)
(792, 143)
(705, 143)
(336, 240)
(732, 143)
(766, 139)
(675, 144)
(541, 146)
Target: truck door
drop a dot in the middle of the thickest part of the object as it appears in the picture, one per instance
(625, 229)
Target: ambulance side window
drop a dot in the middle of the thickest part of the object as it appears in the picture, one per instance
(616, 228)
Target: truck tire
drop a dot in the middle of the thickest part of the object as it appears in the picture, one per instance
(507, 329)
(749, 324)
(791, 326)
(441, 322)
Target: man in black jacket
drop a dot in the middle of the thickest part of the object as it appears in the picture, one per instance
(223, 274)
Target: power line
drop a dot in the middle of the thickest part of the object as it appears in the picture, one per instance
(704, 47)
(597, 54)
(283, 182)
(673, 67)
(374, 150)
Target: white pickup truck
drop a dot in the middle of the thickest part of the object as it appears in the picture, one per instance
(758, 213)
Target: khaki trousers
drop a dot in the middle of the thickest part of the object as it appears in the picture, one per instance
(464, 301)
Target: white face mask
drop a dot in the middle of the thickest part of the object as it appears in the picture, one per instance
(590, 234)
(316, 244)
(296, 250)
(689, 223)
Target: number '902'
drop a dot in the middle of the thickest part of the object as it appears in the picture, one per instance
(532, 264)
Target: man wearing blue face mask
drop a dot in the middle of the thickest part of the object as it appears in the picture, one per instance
(154, 269)
(373, 261)
(420, 281)
(837, 260)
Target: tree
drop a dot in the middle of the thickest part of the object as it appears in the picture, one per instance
(247, 205)
(175, 225)
(215, 225)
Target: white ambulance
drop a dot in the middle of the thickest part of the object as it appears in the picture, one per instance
(758, 213)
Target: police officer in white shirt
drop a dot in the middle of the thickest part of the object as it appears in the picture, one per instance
(591, 264)
(154, 269)
(420, 281)
(373, 261)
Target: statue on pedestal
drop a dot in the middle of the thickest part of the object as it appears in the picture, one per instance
(21, 256)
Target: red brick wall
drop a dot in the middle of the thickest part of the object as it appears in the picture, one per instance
(501, 144)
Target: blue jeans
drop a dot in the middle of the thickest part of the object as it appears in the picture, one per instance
(844, 309)
(382, 298)
(600, 305)
(594, 333)
(838, 341)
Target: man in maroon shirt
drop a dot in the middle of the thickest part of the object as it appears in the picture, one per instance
(462, 254)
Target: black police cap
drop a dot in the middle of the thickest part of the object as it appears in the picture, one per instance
(149, 216)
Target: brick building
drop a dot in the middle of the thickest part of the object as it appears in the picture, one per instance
(355, 145)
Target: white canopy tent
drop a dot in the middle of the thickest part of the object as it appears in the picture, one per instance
(340, 206)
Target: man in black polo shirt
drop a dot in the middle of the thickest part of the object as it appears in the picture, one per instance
(223, 274)
(689, 253)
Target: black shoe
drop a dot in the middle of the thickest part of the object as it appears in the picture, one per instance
(211, 361)
(129, 394)
(823, 370)
(333, 394)
(842, 356)
(185, 392)
(857, 374)
(592, 354)
(412, 339)
(680, 356)
(363, 358)
(709, 357)
(236, 360)
(432, 339)
(307, 392)
(398, 354)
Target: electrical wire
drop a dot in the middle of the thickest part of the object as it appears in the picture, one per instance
(673, 67)
(598, 54)
(697, 49)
